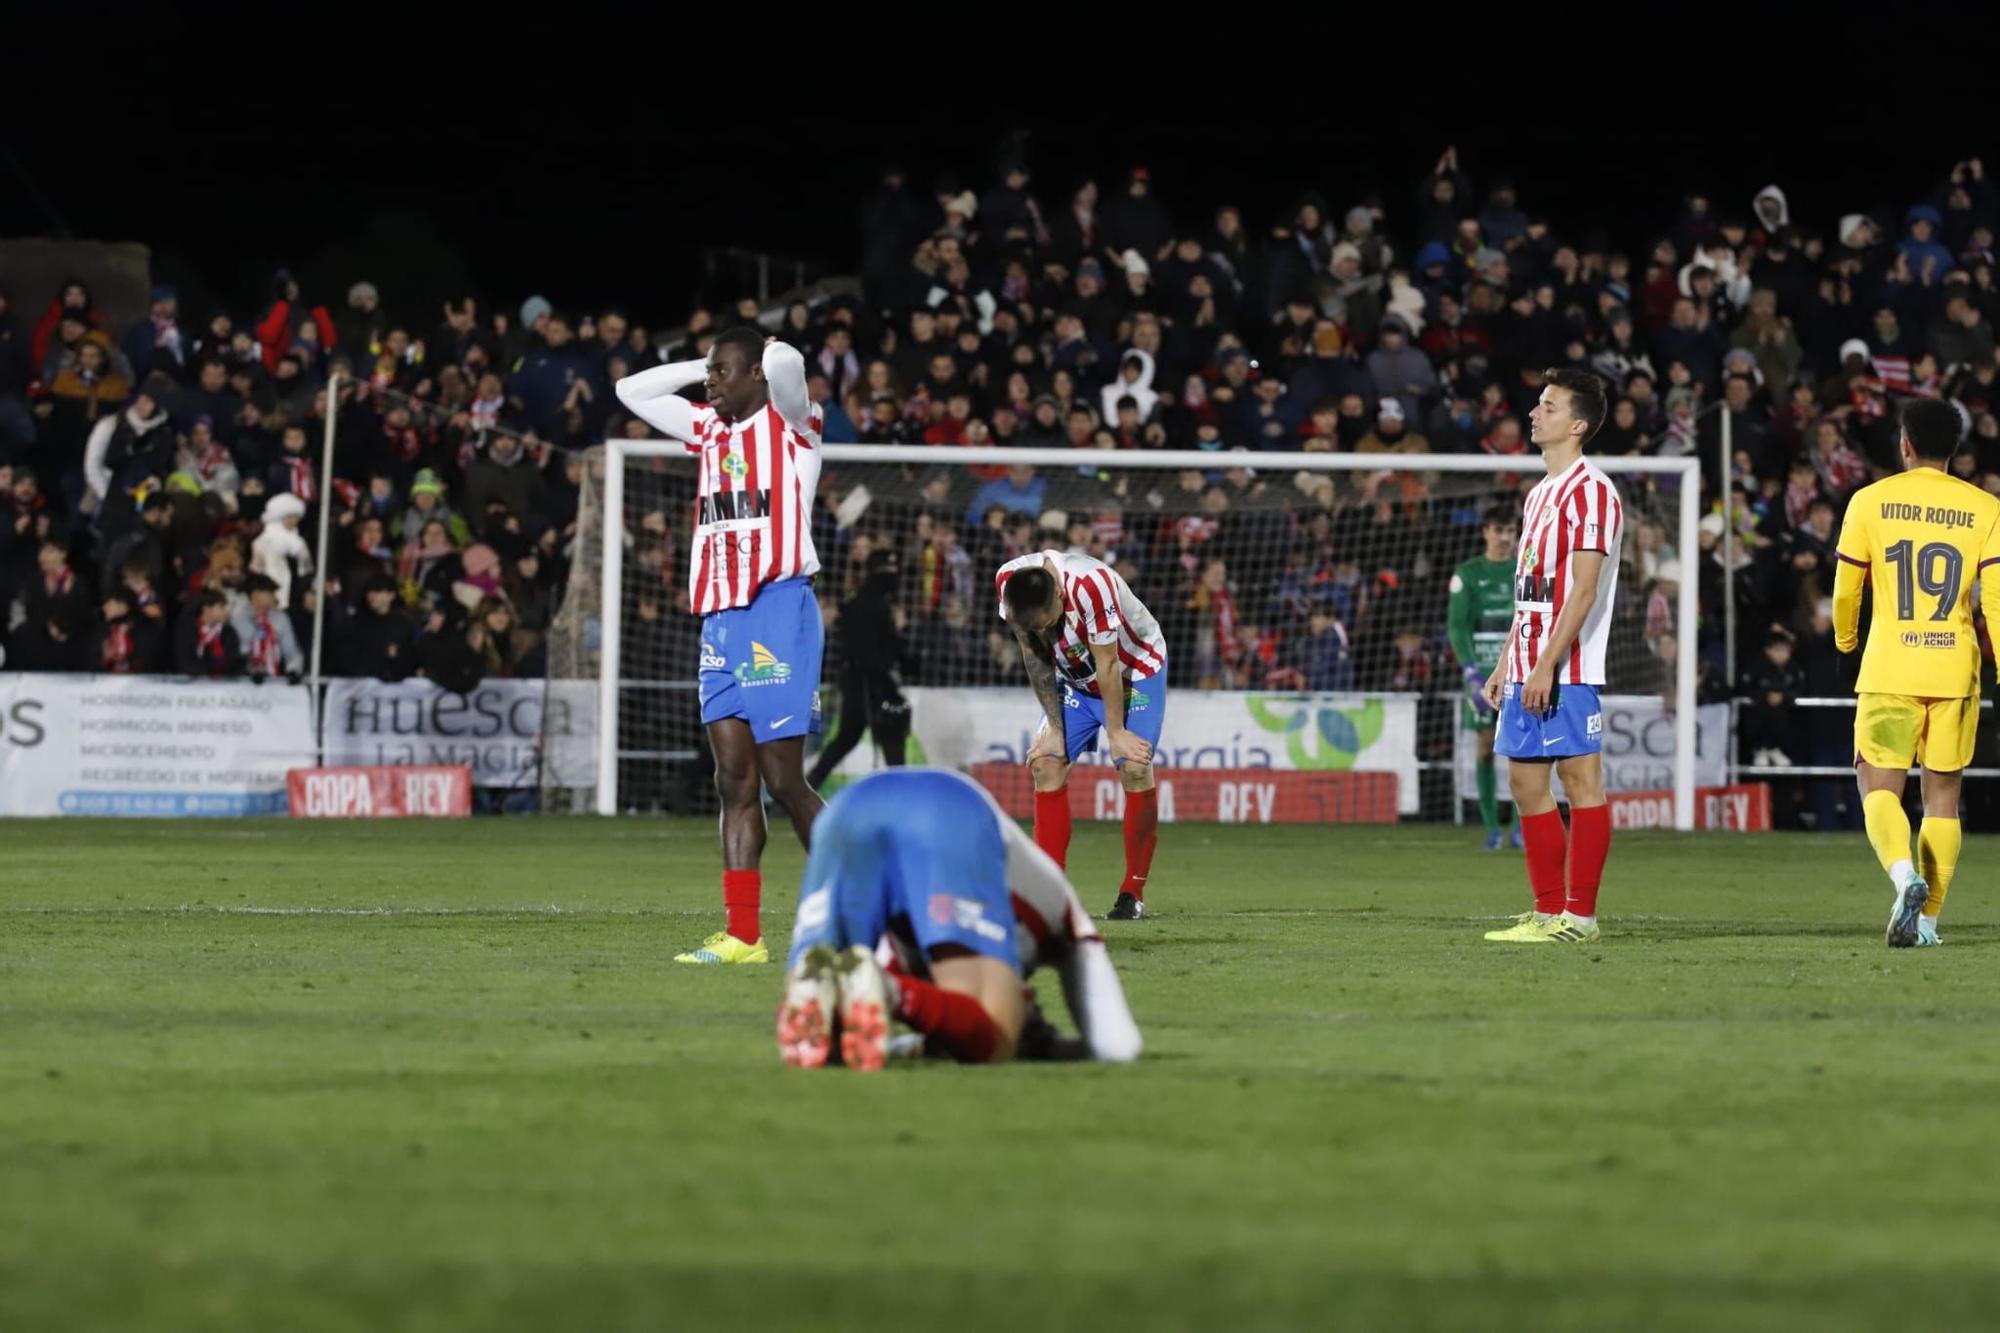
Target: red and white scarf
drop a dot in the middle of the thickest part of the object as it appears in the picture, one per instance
(116, 655)
(211, 461)
(301, 470)
(264, 656)
(208, 644)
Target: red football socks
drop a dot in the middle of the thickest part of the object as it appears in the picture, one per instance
(1142, 835)
(742, 894)
(1052, 823)
(959, 1022)
(1589, 845)
(1543, 837)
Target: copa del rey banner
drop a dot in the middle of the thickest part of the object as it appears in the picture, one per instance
(511, 733)
(1205, 729)
(145, 745)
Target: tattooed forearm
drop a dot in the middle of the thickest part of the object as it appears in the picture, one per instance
(1042, 677)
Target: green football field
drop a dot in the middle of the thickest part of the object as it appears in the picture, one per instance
(270, 1076)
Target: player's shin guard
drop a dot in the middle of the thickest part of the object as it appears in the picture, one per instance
(1589, 845)
(1888, 828)
(1937, 858)
(742, 895)
(959, 1022)
(1545, 842)
(1052, 823)
(1488, 785)
(1142, 835)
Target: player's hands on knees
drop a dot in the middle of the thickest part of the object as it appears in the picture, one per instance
(1490, 691)
(1131, 749)
(1047, 744)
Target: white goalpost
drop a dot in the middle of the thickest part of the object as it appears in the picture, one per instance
(1282, 540)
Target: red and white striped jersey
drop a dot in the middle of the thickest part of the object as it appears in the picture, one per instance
(1576, 510)
(1098, 607)
(753, 505)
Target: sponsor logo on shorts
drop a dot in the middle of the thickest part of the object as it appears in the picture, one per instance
(1136, 700)
(1594, 725)
(712, 660)
(951, 910)
(814, 909)
(763, 668)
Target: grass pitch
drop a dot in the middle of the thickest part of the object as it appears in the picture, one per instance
(438, 1076)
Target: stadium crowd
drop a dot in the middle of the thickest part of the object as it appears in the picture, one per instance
(164, 479)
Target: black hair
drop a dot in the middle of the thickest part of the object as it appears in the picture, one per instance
(745, 339)
(1029, 589)
(1586, 396)
(260, 583)
(1499, 516)
(1931, 425)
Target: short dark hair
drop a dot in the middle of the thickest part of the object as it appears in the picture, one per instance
(214, 597)
(1500, 516)
(1586, 395)
(260, 583)
(745, 339)
(1028, 589)
(1931, 425)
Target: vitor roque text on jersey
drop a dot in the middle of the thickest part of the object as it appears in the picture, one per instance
(1950, 518)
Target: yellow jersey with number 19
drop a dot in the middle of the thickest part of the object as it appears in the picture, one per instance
(1921, 539)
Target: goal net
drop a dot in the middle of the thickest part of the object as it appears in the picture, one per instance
(1282, 581)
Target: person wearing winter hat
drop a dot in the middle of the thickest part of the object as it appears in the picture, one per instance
(1929, 260)
(427, 503)
(280, 554)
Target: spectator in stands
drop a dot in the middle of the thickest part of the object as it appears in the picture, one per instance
(206, 645)
(1399, 370)
(158, 344)
(270, 645)
(452, 652)
(52, 618)
(124, 643)
(280, 555)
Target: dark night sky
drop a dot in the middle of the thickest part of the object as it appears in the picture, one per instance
(604, 186)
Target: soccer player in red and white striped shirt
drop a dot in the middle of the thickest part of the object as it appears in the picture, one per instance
(1547, 681)
(1076, 620)
(750, 571)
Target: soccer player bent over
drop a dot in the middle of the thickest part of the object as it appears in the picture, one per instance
(1075, 618)
(750, 571)
(1545, 687)
(1917, 537)
(1481, 621)
(922, 862)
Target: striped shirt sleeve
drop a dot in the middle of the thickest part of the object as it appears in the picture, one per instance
(1097, 600)
(1592, 517)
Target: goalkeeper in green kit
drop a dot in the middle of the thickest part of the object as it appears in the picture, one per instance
(1481, 620)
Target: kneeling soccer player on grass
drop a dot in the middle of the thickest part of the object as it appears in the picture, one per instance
(919, 866)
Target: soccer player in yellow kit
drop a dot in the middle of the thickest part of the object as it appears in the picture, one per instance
(1922, 539)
